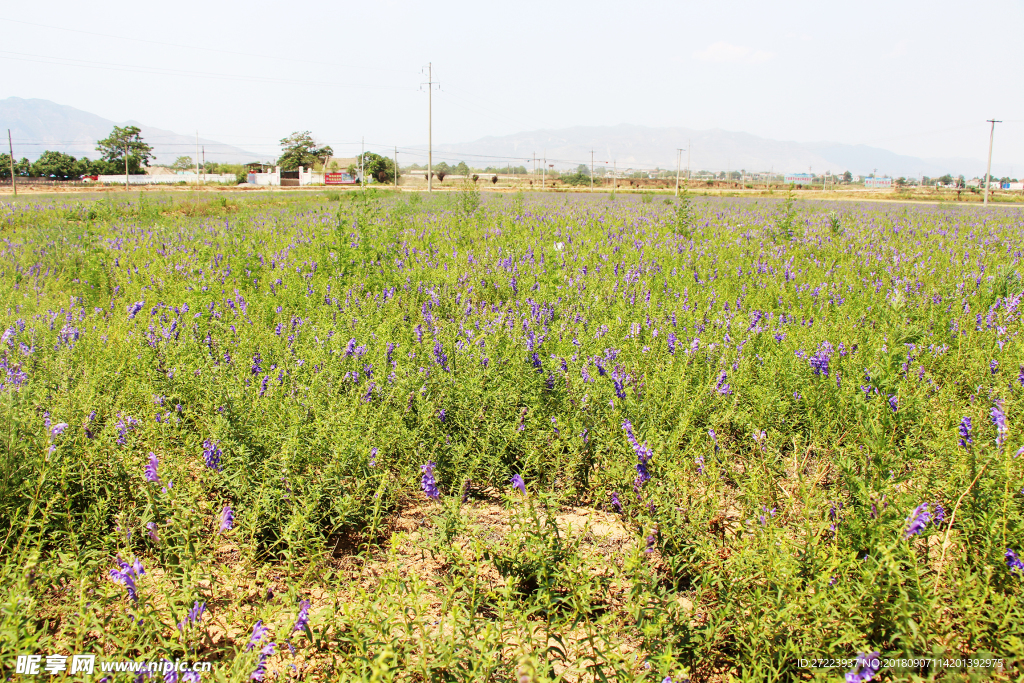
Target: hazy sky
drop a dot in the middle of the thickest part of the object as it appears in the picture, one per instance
(918, 78)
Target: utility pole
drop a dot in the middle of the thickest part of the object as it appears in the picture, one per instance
(988, 171)
(687, 163)
(10, 146)
(362, 156)
(544, 171)
(430, 127)
(679, 160)
(591, 170)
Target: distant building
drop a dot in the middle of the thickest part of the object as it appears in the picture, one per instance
(878, 182)
(799, 178)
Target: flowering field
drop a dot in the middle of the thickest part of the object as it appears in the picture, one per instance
(596, 438)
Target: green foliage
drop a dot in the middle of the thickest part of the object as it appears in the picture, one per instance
(329, 344)
(378, 168)
(121, 141)
(300, 149)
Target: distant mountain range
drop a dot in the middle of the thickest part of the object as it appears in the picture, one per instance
(40, 125)
(639, 147)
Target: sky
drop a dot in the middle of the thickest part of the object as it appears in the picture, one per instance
(917, 78)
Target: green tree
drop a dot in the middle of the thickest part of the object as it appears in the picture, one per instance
(847, 177)
(377, 167)
(120, 141)
(300, 149)
(461, 169)
(183, 164)
(56, 165)
(21, 168)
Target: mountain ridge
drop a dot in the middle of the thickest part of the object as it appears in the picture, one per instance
(38, 125)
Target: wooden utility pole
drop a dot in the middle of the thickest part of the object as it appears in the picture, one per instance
(10, 146)
(988, 171)
(679, 161)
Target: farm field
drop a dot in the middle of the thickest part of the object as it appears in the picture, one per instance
(513, 437)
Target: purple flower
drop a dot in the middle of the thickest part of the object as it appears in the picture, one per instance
(1013, 562)
(993, 366)
(126, 574)
(700, 464)
(194, 616)
(819, 362)
(671, 339)
(518, 483)
(58, 428)
(258, 631)
(999, 420)
(302, 622)
(917, 520)
(721, 387)
(428, 482)
(441, 414)
(134, 309)
(211, 454)
(865, 669)
(150, 469)
(440, 357)
(893, 403)
(643, 456)
(615, 502)
(227, 518)
(965, 432)
(261, 664)
(652, 539)
(940, 514)
(373, 457)
(151, 531)
(257, 366)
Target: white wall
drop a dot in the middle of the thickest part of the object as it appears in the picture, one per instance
(167, 179)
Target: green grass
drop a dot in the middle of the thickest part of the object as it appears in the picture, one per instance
(528, 331)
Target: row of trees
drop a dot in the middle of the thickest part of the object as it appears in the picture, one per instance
(121, 143)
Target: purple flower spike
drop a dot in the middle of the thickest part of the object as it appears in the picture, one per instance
(865, 669)
(227, 518)
(917, 521)
(58, 428)
(302, 622)
(126, 574)
(1013, 563)
(999, 420)
(150, 469)
(965, 432)
(258, 632)
(261, 664)
(518, 483)
(428, 483)
(211, 454)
